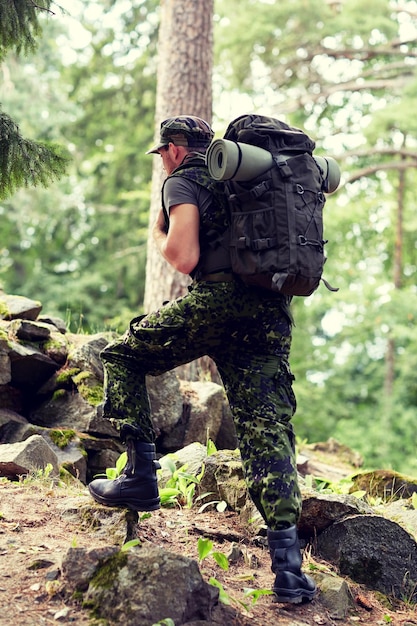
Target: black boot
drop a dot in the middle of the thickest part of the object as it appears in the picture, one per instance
(291, 585)
(137, 487)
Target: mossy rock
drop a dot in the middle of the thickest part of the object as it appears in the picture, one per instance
(385, 484)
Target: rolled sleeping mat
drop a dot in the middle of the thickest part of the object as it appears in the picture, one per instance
(232, 160)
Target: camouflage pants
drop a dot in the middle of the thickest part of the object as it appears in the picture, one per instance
(248, 336)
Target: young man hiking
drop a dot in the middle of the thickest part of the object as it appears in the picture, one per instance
(247, 333)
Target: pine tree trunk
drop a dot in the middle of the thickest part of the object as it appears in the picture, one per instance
(184, 73)
(184, 86)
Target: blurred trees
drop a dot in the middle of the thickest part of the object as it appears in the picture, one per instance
(347, 76)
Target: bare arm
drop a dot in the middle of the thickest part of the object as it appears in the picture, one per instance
(180, 245)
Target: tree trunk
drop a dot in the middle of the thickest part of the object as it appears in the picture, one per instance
(397, 276)
(184, 73)
(184, 76)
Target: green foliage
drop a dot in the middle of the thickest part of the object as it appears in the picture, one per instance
(224, 597)
(114, 472)
(62, 438)
(211, 447)
(19, 25)
(133, 543)
(24, 162)
(180, 487)
(255, 594)
(205, 549)
(41, 475)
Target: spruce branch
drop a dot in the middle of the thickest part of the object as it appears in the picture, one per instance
(26, 163)
(19, 24)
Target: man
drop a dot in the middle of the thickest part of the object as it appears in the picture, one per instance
(245, 330)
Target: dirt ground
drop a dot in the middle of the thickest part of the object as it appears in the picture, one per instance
(34, 536)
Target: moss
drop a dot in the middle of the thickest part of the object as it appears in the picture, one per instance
(104, 579)
(4, 310)
(107, 572)
(93, 395)
(53, 344)
(66, 375)
(386, 484)
(80, 377)
(62, 438)
(59, 393)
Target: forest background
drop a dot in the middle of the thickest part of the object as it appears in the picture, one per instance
(346, 75)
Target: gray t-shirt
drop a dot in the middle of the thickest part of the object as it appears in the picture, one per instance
(180, 190)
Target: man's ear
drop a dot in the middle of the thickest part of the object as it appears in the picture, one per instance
(177, 152)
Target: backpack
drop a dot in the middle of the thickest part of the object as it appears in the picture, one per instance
(276, 231)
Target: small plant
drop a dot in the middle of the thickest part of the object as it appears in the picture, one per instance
(210, 447)
(221, 505)
(205, 549)
(224, 597)
(39, 475)
(62, 438)
(165, 622)
(255, 594)
(180, 487)
(387, 619)
(114, 472)
(133, 543)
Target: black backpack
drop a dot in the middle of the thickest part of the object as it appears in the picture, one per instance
(276, 236)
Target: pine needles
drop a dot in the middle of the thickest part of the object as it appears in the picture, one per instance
(19, 24)
(23, 162)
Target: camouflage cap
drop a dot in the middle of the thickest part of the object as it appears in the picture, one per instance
(184, 130)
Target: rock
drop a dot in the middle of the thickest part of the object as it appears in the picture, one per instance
(226, 437)
(373, 551)
(59, 324)
(85, 353)
(116, 526)
(402, 512)
(336, 596)
(70, 456)
(193, 456)
(385, 484)
(153, 596)
(13, 307)
(11, 425)
(166, 402)
(201, 415)
(79, 565)
(57, 347)
(223, 477)
(206, 400)
(27, 330)
(29, 366)
(71, 410)
(17, 459)
(321, 511)
(5, 365)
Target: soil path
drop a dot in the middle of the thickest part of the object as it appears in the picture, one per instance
(34, 536)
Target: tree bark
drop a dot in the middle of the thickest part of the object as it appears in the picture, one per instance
(184, 86)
